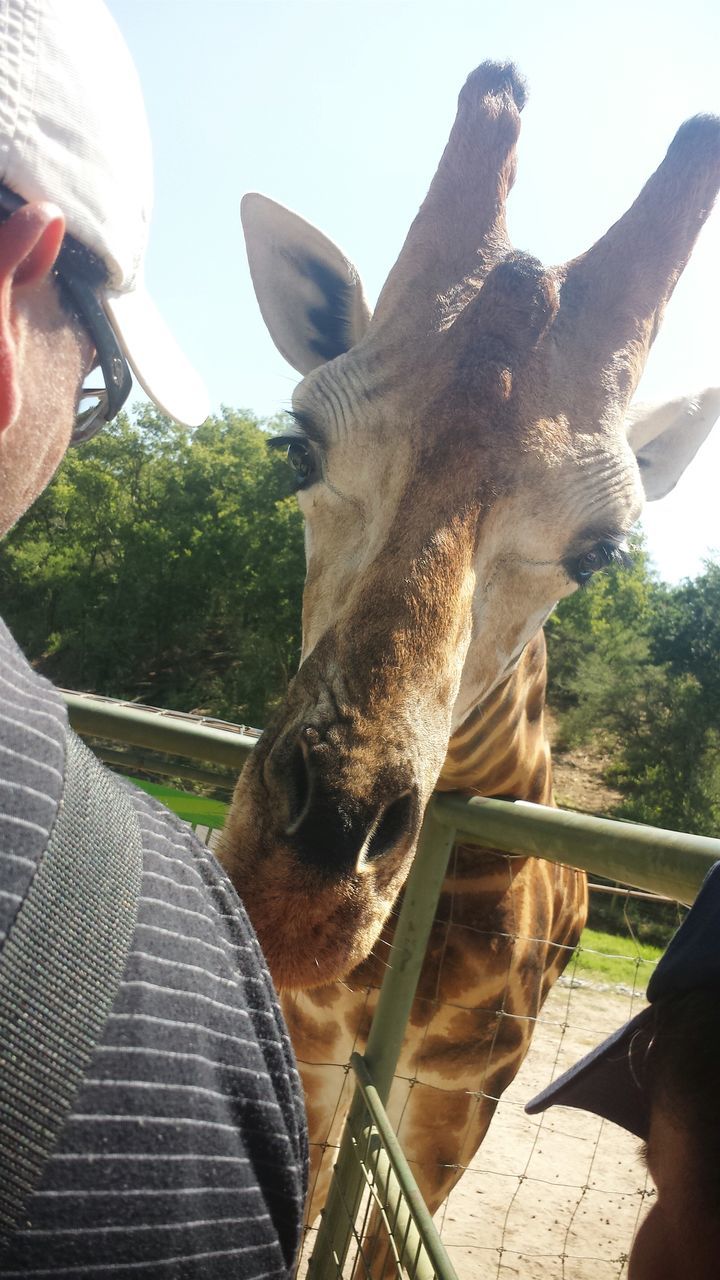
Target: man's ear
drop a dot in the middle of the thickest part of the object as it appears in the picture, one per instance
(30, 241)
(310, 295)
(666, 437)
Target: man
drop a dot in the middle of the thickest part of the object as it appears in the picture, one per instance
(160, 1133)
(658, 1078)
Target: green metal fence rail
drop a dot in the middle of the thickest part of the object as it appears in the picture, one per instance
(168, 733)
(667, 862)
(396, 1232)
(371, 1169)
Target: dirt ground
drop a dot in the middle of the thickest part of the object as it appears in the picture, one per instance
(578, 776)
(558, 1196)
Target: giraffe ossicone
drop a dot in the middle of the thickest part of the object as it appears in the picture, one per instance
(465, 456)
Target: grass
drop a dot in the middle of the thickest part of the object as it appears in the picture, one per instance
(620, 961)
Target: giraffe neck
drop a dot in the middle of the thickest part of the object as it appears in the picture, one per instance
(502, 749)
(504, 929)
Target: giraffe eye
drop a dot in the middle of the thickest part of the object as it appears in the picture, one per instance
(597, 558)
(301, 458)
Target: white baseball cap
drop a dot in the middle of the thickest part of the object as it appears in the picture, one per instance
(73, 130)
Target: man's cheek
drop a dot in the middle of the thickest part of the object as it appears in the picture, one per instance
(651, 1256)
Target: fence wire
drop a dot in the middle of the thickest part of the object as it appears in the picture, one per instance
(562, 1193)
(557, 1195)
(380, 1219)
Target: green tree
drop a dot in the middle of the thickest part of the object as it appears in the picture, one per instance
(686, 635)
(598, 641)
(165, 566)
(635, 672)
(668, 767)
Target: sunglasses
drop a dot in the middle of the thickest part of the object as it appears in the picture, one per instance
(98, 405)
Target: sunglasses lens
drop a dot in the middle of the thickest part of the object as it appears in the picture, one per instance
(96, 407)
(91, 416)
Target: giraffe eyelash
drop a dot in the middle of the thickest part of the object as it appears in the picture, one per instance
(302, 457)
(602, 555)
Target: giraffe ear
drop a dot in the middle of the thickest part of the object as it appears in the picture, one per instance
(310, 295)
(666, 437)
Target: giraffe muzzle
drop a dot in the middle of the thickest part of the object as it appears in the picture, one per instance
(331, 825)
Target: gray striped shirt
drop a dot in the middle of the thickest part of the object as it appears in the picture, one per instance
(185, 1152)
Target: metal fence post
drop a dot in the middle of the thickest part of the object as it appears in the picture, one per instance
(384, 1041)
(422, 1255)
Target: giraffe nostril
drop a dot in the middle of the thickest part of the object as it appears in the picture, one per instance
(398, 820)
(328, 824)
(298, 785)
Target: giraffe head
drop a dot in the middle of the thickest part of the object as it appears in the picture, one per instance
(463, 458)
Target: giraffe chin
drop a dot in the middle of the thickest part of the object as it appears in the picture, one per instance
(313, 933)
(319, 947)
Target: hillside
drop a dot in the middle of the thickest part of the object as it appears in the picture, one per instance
(578, 777)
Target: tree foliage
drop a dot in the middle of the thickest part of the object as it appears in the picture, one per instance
(163, 566)
(632, 666)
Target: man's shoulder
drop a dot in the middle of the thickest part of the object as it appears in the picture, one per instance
(32, 712)
(169, 838)
(33, 733)
(186, 893)
(33, 725)
(193, 1075)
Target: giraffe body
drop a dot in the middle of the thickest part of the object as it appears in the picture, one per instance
(464, 458)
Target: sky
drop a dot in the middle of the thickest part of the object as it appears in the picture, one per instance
(340, 110)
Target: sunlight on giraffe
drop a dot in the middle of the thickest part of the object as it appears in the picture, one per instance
(464, 458)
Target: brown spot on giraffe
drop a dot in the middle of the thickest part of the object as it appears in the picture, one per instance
(536, 702)
(472, 1038)
(358, 1021)
(319, 1035)
(466, 456)
(537, 784)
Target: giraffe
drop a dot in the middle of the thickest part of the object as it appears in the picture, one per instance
(464, 458)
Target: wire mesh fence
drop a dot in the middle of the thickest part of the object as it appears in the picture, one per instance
(558, 1194)
(380, 1226)
(562, 1193)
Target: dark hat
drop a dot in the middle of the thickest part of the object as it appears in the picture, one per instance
(609, 1080)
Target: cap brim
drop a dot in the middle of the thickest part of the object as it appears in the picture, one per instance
(155, 357)
(607, 1081)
